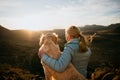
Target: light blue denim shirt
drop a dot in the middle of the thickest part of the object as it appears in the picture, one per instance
(70, 54)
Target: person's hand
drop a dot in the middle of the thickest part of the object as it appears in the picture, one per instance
(40, 53)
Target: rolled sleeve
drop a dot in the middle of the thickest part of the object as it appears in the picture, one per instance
(60, 64)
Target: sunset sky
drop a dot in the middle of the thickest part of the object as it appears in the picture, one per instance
(52, 14)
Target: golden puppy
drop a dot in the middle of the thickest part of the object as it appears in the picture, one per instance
(49, 44)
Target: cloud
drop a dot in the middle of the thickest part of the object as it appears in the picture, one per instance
(58, 12)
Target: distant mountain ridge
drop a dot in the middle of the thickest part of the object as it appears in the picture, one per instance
(114, 27)
(93, 27)
(86, 27)
(5, 33)
(3, 28)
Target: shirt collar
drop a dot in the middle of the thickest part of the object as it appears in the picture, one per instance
(75, 40)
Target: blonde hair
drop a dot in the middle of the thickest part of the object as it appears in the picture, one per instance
(76, 33)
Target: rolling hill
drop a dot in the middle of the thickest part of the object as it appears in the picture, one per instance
(5, 33)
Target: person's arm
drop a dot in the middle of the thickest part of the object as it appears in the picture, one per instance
(62, 62)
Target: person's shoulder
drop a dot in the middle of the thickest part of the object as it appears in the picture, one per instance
(69, 45)
(73, 42)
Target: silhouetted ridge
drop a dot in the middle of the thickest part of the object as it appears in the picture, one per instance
(114, 27)
(2, 29)
(5, 33)
(93, 27)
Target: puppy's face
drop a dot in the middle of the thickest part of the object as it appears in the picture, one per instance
(48, 38)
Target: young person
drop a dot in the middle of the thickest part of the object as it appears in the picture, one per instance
(75, 51)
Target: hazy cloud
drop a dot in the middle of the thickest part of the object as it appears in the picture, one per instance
(20, 13)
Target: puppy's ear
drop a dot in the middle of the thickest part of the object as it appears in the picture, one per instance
(55, 38)
(55, 35)
(41, 39)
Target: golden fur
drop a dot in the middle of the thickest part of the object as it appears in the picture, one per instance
(49, 44)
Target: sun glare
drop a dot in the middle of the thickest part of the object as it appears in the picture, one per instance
(34, 28)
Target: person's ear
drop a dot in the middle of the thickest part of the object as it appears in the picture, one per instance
(68, 37)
